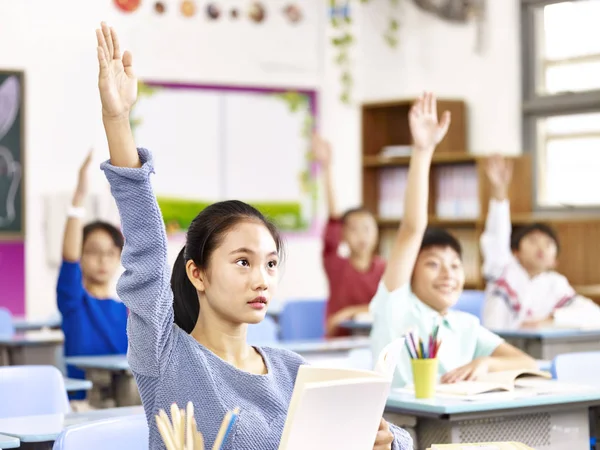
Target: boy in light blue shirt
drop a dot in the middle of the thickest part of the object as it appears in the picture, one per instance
(425, 276)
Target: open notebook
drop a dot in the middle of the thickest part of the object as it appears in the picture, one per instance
(505, 381)
(339, 408)
(482, 446)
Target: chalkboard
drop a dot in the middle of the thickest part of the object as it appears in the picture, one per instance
(11, 152)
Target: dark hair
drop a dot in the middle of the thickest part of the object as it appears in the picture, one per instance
(521, 232)
(438, 237)
(204, 235)
(352, 211)
(114, 233)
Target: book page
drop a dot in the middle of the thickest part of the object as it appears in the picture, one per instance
(510, 376)
(482, 446)
(388, 358)
(309, 375)
(338, 415)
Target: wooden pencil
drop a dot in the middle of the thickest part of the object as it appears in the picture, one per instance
(165, 431)
(222, 430)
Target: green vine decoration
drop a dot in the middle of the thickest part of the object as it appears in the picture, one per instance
(341, 22)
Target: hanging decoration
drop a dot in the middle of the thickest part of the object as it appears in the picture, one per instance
(188, 8)
(293, 13)
(159, 8)
(213, 11)
(257, 12)
(127, 6)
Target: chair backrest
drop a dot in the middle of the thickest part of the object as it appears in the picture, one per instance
(7, 327)
(32, 390)
(302, 319)
(580, 368)
(264, 332)
(471, 301)
(121, 433)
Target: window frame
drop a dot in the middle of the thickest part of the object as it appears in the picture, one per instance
(535, 106)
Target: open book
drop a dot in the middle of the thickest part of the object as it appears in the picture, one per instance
(339, 408)
(482, 446)
(496, 381)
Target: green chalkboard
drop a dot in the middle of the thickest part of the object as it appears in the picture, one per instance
(11, 152)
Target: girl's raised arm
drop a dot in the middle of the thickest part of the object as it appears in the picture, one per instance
(145, 286)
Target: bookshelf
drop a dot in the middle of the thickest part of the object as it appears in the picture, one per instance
(459, 194)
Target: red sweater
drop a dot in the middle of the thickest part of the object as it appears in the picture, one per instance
(347, 286)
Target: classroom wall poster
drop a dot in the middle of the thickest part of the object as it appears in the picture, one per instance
(212, 143)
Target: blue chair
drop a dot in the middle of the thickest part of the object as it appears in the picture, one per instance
(6, 323)
(580, 368)
(264, 332)
(471, 302)
(302, 320)
(32, 390)
(122, 433)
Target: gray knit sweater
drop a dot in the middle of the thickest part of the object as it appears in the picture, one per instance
(168, 364)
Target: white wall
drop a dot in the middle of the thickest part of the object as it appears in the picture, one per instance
(54, 43)
(439, 56)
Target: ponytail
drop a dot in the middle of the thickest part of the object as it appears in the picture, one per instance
(186, 306)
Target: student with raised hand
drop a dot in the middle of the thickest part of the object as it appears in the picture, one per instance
(353, 280)
(424, 277)
(523, 290)
(92, 321)
(187, 329)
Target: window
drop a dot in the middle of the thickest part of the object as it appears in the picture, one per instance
(561, 100)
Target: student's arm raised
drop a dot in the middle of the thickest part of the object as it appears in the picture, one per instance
(69, 287)
(495, 240)
(426, 132)
(145, 286)
(321, 150)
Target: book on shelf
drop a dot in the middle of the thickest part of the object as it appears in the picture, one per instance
(482, 446)
(506, 381)
(339, 408)
(457, 192)
(392, 184)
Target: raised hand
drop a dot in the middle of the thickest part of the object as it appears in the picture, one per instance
(426, 131)
(384, 438)
(499, 171)
(116, 81)
(321, 150)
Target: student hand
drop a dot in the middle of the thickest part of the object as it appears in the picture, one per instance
(499, 172)
(116, 81)
(321, 150)
(425, 129)
(384, 438)
(82, 182)
(468, 372)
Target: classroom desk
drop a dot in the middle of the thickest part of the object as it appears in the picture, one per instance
(31, 348)
(113, 383)
(74, 385)
(9, 441)
(551, 342)
(544, 422)
(24, 324)
(39, 432)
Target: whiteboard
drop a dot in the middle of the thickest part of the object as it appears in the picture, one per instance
(213, 143)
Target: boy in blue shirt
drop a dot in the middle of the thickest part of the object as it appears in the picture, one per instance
(424, 278)
(92, 321)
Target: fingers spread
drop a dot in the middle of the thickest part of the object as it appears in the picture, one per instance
(103, 64)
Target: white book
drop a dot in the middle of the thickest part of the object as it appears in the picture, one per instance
(339, 408)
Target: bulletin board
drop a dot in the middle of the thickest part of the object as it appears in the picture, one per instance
(213, 143)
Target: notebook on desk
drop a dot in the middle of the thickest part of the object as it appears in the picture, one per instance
(339, 408)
